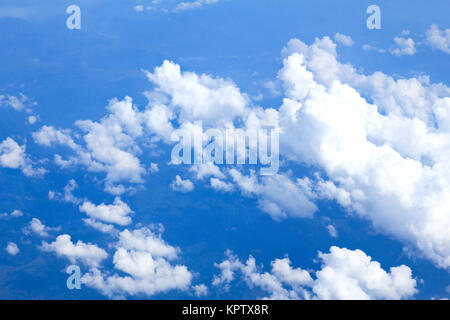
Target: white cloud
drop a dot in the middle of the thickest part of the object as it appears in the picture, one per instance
(368, 47)
(332, 231)
(274, 87)
(207, 170)
(193, 4)
(102, 227)
(18, 103)
(88, 254)
(387, 159)
(351, 274)
(15, 214)
(273, 282)
(13, 156)
(380, 143)
(405, 46)
(110, 144)
(37, 227)
(154, 167)
(181, 185)
(200, 290)
(48, 136)
(412, 97)
(198, 98)
(146, 276)
(405, 32)
(32, 119)
(139, 8)
(144, 7)
(438, 39)
(220, 185)
(147, 240)
(277, 195)
(158, 118)
(67, 195)
(344, 39)
(144, 258)
(117, 213)
(12, 248)
(434, 37)
(113, 144)
(344, 274)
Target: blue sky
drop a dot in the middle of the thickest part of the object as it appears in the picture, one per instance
(61, 76)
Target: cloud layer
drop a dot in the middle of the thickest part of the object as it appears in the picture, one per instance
(344, 275)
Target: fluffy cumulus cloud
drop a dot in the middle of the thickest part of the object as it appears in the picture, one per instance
(382, 143)
(277, 195)
(435, 38)
(221, 185)
(109, 144)
(198, 98)
(344, 274)
(13, 156)
(207, 170)
(413, 97)
(67, 195)
(118, 212)
(381, 147)
(438, 39)
(343, 39)
(148, 240)
(37, 227)
(181, 185)
(12, 248)
(17, 103)
(145, 264)
(404, 46)
(351, 274)
(102, 227)
(86, 253)
(273, 282)
(200, 290)
(113, 144)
